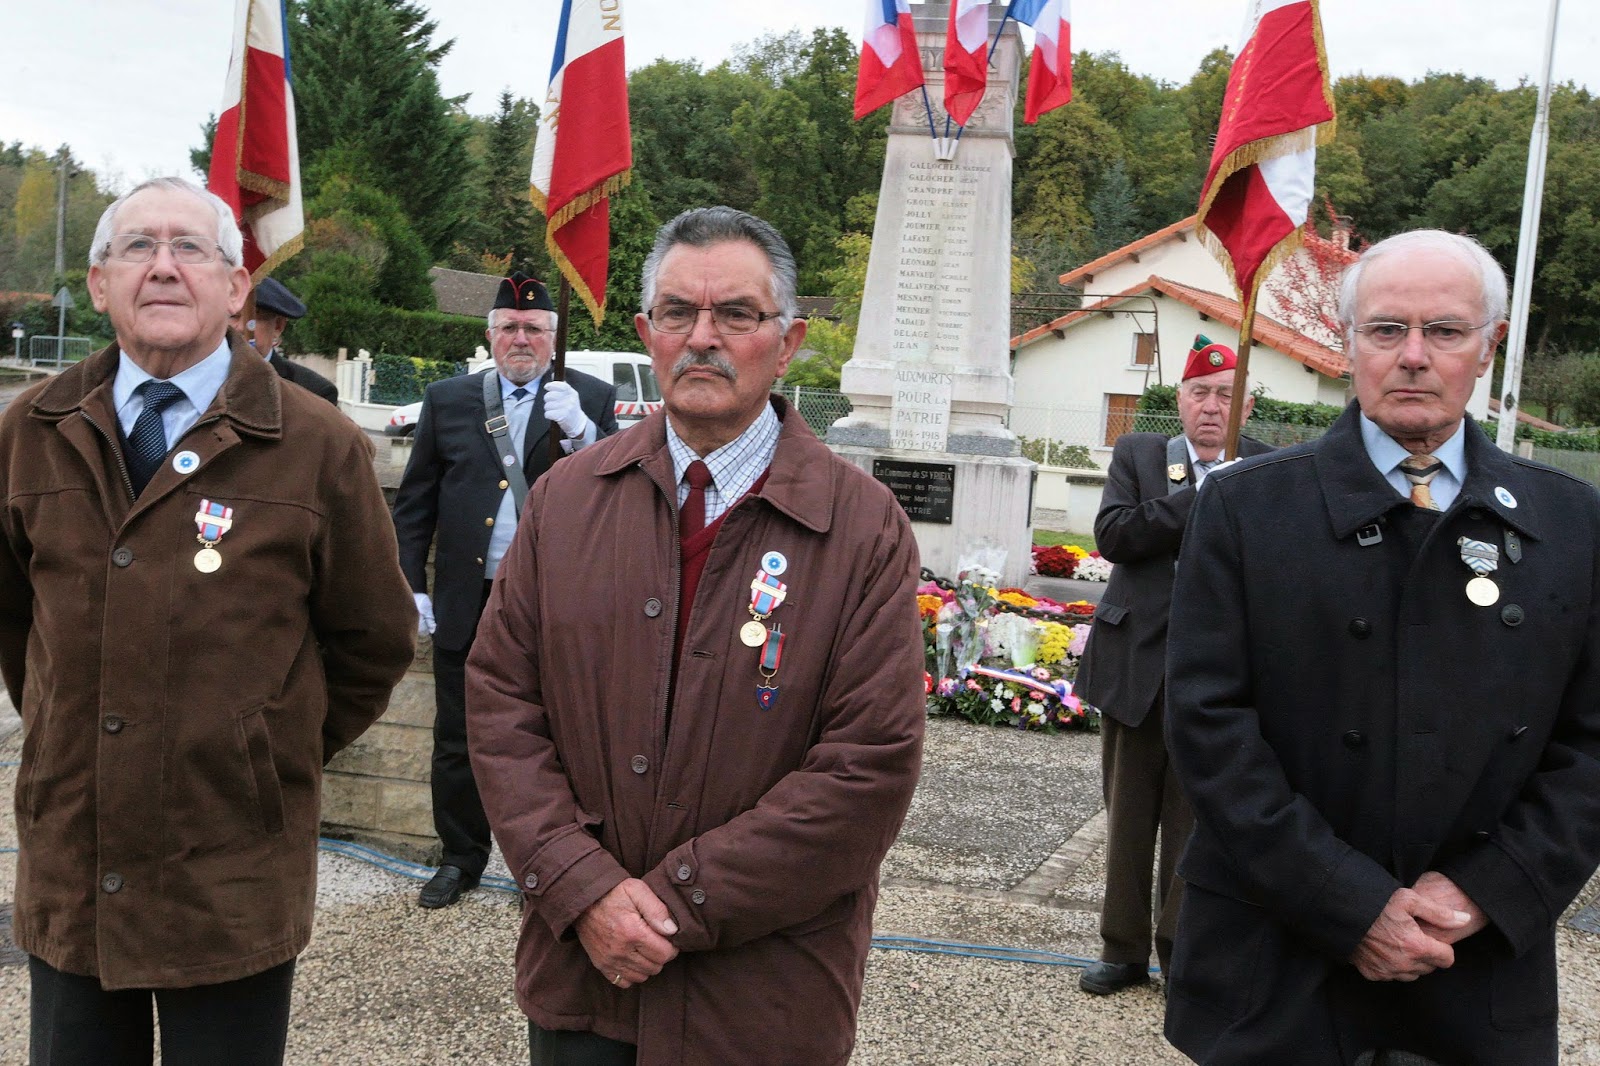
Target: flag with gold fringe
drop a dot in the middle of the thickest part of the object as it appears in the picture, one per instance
(255, 158)
(584, 150)
(1278, 108)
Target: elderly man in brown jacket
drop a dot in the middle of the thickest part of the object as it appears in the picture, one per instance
(695, 702)
(199, 604)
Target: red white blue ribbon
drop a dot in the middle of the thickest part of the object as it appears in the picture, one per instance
(1059, 689)
(766, 593)
(213, 520)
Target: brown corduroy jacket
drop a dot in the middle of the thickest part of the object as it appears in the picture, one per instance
(176, 722)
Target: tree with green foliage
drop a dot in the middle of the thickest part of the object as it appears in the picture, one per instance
(365, 85)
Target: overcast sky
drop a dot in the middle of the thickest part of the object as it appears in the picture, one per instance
(127, 85)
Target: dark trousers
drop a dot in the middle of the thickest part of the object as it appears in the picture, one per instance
(458, 815)
(75, 1022)
(1142, 795)
(560, 1047)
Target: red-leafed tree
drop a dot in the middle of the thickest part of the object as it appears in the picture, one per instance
(1303, 293)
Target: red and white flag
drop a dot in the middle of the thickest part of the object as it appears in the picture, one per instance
(1278, 107)
(966, 58)
(1050, 71)
(891, 62)
(255, 159)
(584, 149)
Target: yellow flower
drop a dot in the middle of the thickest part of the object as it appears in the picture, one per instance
(1077, 552)
(1018, 599)
(928, 606)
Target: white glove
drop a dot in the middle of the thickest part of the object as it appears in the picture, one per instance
(561, 406)
(1216, 470)
(425, 623)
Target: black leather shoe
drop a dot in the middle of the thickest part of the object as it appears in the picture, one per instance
(446, 887)
(1104, 978)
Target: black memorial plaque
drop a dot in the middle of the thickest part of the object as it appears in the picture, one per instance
(926, 491)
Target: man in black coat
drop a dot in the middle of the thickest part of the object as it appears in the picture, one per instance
(1382, 682)
(1149, 490)
(275, 306)
(481, 440)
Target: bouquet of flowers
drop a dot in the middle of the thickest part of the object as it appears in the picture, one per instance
(1069, 560)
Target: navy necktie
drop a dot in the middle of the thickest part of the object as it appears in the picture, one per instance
(147, 444)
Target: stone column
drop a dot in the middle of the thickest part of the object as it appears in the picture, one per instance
(930, 381)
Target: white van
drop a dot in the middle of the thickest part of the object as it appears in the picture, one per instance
(635, 379)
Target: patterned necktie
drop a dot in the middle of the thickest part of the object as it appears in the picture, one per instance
(1419, 470)
(147, 444)
(1202, 467)
(692, 515)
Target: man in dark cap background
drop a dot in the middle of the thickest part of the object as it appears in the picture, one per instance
(275, 306)
(481, 440)
(1150, 488)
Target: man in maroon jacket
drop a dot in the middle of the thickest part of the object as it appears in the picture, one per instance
(694, 704)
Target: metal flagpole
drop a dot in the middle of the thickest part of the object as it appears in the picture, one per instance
(1527, 247)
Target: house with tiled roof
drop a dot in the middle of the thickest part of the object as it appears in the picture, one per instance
(1079, 377)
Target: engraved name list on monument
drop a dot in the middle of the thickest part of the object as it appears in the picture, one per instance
(933, 299)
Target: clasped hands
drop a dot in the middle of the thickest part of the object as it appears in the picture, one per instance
(1414, 934)
(625, 934)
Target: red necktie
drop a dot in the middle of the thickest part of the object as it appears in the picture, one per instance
(692, 515)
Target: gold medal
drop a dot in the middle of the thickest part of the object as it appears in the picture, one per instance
(208, 560)
(1177, 472)
(753, 634)
(1483, 592)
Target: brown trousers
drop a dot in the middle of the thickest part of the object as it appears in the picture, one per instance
(1142, 795)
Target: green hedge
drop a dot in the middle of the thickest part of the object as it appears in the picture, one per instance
(400, 379)
(353, 324)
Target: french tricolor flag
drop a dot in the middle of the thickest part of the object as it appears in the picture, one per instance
(966, 58)
(891, 64)
(1050, 72)
(255, 159)
(1278, 107)
(583, 152)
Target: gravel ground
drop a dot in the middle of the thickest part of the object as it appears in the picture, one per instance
(367, 990)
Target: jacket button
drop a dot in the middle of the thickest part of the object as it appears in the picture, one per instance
(488, 521)
(698, 895)
(1360, 628)
(652, 607)
(112, 724)
(1355, 738)
(112, 883)
(1516, 734)
(684, 873)
(504, 484)
(1511, 614)
(1481, 836)
(122, 556)
(639, 763)
(480, 562)
(531, 881)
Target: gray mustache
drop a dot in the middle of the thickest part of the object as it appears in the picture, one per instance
(692, 360)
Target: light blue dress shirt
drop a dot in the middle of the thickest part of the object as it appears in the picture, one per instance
(1387, 454)
(518, 414)
(200, 385)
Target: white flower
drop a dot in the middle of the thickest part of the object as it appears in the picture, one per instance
(1092, 569)
(996, 706)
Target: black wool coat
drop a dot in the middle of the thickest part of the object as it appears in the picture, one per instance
(1140, 528)
(453, 484)
(1343, 719)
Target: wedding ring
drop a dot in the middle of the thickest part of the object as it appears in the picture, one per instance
(617, 980)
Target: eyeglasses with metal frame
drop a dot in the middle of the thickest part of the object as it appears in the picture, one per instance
(141, 248)
(729, 319)
(511, 329)
(1447, 335)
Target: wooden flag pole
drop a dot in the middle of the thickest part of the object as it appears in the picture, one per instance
(558, 362)
(1241, 375)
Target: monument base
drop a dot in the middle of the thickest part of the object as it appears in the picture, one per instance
(991, 507)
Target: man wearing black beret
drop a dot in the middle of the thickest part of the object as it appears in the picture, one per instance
(481, 440)
(275, 306)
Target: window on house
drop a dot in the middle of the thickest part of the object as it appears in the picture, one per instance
(1144, 349)
(1120, 410)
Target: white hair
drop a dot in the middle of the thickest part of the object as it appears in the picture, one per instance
(1468, 251)
(230, 242)
(554, 318)
(706, 226)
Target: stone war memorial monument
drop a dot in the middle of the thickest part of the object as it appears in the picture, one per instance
(929, 380)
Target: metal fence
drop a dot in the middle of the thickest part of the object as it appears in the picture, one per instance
(820, 408)
(1064, 436)
(1579, 464)
(58, 351)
